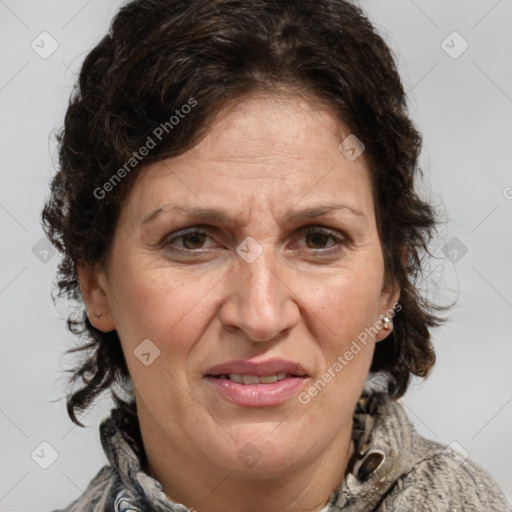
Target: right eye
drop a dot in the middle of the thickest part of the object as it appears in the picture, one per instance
(192, 240)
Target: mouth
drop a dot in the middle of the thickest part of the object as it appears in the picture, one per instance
(254, 379)
(250, 384)
(251, 368)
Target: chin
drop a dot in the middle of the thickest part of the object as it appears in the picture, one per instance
(260, 448)
(253, 461)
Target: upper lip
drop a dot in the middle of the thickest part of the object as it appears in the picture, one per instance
(260, 369)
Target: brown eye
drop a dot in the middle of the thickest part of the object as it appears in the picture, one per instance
(193, 240)
(188, 241)
(318, 239)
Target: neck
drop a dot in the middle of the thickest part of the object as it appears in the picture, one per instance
(206, 487)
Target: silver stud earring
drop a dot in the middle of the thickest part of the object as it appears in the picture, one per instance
(387, 322)
(98, 315)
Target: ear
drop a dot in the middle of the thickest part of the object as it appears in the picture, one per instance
(93, 286)
(388, 300)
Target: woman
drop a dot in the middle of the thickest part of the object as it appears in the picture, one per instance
(236, 212)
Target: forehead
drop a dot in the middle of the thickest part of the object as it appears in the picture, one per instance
(261, 150)
(279, 126)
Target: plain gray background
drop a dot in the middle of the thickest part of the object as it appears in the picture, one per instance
(462, 103)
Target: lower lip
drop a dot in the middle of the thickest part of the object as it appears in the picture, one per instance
(257, 395)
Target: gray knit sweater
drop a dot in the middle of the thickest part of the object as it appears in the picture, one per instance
(393, 469)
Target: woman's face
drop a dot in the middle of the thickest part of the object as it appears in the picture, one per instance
(261, 280)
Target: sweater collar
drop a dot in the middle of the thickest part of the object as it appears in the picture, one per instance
(383, 450)
(386, 444)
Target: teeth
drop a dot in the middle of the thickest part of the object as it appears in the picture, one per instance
(269, 379)
(254, 379)
(250, 379)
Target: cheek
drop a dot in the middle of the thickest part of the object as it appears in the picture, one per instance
(343, 313)
(343, 310)
(350, 299)
(159, 303)
(168, 309)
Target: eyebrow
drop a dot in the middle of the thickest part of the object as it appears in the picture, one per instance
(212, 215)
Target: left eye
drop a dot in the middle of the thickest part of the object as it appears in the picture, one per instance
(320, 237)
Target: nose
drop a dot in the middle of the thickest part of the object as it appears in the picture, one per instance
(261, 305)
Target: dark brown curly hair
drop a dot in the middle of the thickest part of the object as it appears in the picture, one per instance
(160, 55)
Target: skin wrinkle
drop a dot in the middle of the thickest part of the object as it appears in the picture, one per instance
(288, 303)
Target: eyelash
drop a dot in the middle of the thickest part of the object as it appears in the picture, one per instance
(312, 230)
